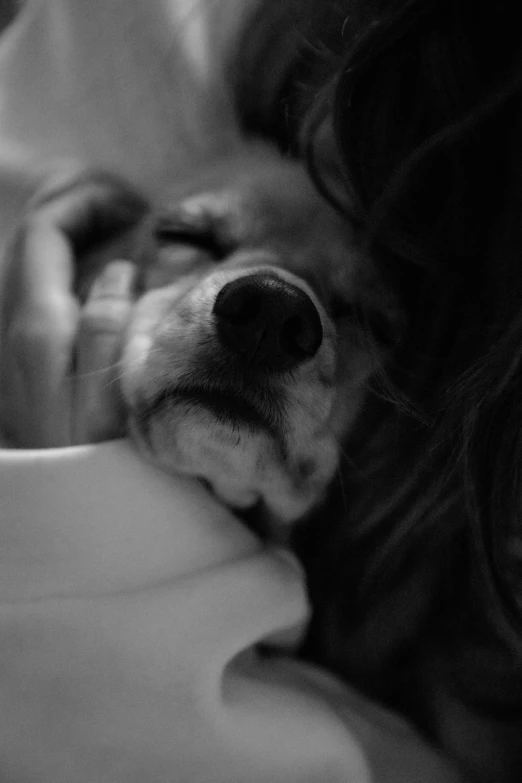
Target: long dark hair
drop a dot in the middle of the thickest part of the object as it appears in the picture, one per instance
(427, 112)
(418, 556)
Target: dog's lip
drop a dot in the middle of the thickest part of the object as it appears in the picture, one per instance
(228, 406)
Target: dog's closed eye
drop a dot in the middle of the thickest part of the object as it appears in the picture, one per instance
(206, 221)
(175, 230)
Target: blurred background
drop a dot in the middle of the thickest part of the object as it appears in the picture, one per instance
(8, 9)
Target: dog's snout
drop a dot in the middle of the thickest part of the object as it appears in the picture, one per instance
(268, 321)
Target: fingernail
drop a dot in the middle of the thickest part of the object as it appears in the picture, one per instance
(115, 281)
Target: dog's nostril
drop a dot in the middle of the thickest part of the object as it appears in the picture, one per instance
(267, 321)
(298, 336)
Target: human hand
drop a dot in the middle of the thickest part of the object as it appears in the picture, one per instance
(58, 355)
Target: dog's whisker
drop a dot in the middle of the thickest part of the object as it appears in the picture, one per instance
(342, 489)
(421, 517)
(344, 456)
(99, 371)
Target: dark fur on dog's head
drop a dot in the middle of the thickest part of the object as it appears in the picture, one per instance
(243, 363)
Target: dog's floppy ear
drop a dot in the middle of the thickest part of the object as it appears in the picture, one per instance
(326, 169)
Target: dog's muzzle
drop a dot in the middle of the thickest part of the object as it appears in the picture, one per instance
(269, 323)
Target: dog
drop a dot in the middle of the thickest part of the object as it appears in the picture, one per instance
(243, 363)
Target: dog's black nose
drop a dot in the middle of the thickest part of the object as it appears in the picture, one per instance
(268, 322)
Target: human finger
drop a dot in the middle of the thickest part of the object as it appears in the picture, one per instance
(89, 207)
(102, 321)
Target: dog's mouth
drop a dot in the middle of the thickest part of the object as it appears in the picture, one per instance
(227, 406)
(230, 380)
